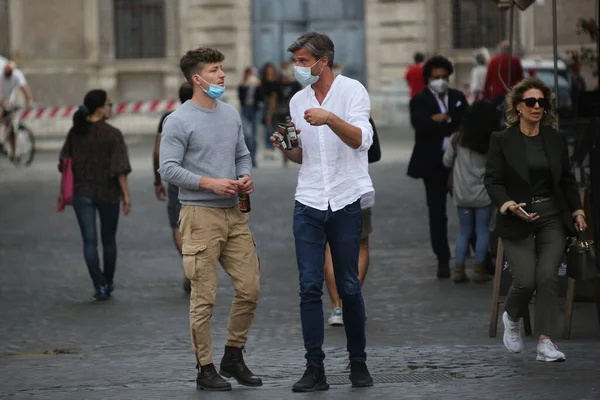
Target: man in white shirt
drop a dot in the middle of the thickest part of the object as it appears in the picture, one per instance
(332, 115)
(11, 79)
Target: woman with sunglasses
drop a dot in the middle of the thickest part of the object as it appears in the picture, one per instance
(529, 178)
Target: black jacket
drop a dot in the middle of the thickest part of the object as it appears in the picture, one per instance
(507, 178)
(429, 135)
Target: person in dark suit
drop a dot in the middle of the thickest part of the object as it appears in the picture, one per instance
(528, 177)
(435, 113)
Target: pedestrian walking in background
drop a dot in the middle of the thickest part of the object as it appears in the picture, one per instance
(250, 97)
(467, 157)
(414, 75)
(172, 194)
(100, 164)
(435, 114)
(477, 82)
(497, 83)
(529, 178)
(270, 84)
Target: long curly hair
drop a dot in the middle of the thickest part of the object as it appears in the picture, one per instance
(515, 95)
(479, 122)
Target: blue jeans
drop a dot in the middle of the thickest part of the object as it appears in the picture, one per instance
(480, 218)
(342, 229)
(268, 132)
(85, 211)
(250, 126)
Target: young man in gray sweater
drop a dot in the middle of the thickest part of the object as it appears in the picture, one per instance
(203, 152)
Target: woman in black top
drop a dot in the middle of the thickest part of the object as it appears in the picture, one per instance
(100, 167)
(529, 178)
(270, 85)
(250, 98)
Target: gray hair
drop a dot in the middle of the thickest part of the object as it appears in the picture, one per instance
(318, 44)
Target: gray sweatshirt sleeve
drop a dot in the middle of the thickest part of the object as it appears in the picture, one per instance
(174, 141)
(243, 160)
(449, 157)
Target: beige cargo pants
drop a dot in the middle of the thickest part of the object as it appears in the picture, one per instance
(212, 235)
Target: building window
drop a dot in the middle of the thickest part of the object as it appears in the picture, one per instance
(477, 23)
(140, 28)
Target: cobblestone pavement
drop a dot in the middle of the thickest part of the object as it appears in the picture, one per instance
(429, 335)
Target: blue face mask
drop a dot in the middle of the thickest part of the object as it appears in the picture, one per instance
(214, 91)
(304, 74)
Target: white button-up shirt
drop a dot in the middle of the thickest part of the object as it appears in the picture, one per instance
(332, 173)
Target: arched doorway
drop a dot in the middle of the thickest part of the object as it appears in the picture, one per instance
(277, 23)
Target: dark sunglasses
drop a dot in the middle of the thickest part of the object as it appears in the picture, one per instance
(530, 102)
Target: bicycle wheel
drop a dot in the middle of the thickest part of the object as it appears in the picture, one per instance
(26, 146)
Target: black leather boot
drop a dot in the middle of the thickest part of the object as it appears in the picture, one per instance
(233, 365)
(208, 379)
(443, 270)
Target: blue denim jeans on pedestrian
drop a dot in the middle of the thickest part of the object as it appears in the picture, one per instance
(85, 211)
(480, 218)
(250, 127)
(342, 229)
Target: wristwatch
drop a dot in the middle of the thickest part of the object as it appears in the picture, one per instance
(157, 183)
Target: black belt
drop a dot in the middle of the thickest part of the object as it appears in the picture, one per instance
(539, 199)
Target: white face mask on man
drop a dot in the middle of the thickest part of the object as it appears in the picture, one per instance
(440, 86)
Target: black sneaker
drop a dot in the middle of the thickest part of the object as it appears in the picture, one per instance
(101, 294)
(209, 380)
(359, 375)
(314, 379)
(110, 288)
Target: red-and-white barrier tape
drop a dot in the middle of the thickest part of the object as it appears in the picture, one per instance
(137, 107)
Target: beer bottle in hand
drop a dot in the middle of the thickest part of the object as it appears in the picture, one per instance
(244, 200)
(291, 132)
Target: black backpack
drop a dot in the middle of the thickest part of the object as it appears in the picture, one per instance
(375, 149)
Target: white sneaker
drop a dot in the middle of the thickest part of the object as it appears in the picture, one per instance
(547, 351)
(512, 334)
(336, 318)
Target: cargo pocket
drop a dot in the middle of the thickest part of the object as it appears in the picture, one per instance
(191, 253)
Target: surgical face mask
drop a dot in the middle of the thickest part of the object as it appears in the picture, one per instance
(440, 86)
(214, 91)
(304, 76)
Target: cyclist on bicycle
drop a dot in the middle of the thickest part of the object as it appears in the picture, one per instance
(10, 79)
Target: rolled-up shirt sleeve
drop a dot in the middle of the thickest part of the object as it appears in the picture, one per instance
(359, 113)
(173, 144)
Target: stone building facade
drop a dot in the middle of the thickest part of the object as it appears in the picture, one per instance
(132, 48)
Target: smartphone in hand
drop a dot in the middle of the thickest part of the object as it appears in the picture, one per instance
(524, 212)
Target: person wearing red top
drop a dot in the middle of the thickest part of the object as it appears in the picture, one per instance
(414, 75)
(496, 79)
